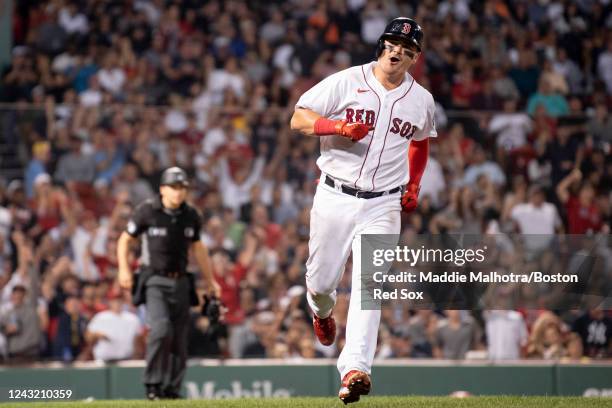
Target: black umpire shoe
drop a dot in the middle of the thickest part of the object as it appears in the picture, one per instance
(170, 393)
(153, 392)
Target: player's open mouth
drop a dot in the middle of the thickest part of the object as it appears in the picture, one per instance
(394, 60)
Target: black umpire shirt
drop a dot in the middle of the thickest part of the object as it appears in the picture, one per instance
(167, 234)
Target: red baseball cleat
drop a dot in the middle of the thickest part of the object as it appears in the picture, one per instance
(354, 384)
(325, 329)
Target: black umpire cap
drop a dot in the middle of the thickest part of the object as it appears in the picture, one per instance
(173, 176)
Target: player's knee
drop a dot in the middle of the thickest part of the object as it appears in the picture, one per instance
(160, 329)
(321, 292)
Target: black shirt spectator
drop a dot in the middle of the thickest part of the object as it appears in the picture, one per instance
(595, 329)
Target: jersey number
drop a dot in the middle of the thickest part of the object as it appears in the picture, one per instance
(405, 130)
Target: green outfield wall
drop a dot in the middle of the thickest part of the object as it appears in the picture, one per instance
(265, 378)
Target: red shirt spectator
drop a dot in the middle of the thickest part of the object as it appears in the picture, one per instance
(582, 212)
(230, 292)
(582, 216)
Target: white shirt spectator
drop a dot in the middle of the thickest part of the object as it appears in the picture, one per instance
(511, 129)
(148, 7)
(537, 224)
(90, 98)
(6, 220)
(214, 139)
(112, 80)
(571, 72)
(506, 334)
(536, 220)
(76, 23)
(491, 169)
(459, 8)
(236, 195)
(284, 59)
(175, 121)
(121, 330)
(64, 62)
(604, 68)
(272, 30)
(440, 117)
(84, 267)
(432, 182)
(374, 23)
(220, 79)
(201, 106)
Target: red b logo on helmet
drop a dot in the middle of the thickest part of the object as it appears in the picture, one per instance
(406, 28)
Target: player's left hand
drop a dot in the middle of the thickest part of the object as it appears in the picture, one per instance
(410, 198)
(214, 289)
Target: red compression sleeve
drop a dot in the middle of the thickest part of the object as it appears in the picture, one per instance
(324, 126)
(418, 153)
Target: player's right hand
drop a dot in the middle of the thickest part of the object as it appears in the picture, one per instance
(125, 279)
(410, 198)
(354, 131)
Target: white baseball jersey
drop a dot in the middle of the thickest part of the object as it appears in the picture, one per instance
(378, 162)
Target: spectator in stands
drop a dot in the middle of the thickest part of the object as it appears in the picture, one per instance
(574, 349)
(398, 346)
(595, 330)
(554, 103)
(41, 154)
(230, 277)
(525, 75)
(546, 338)
(582, 211)
(510, 127)
(420, 329)
(506, 334)
(456, 335)
(264, 329)
(600, 127)
(115, 334)
(75, 166)
(90, 306)
(21, 326)
(481, 165)
(537, 216)
(73, 21)
(604, 66)
(69, 340)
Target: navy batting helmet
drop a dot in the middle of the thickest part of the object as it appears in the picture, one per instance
(403, 29)
(173, 176)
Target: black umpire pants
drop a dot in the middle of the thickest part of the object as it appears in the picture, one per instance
(167, 303)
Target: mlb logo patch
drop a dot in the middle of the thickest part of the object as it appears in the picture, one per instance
(406, 28)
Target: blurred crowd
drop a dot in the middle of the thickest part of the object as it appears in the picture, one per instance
(101, 96)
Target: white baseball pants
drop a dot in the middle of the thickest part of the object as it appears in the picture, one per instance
(337, 221)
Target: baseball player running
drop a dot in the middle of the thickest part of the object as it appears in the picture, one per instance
(373, 120)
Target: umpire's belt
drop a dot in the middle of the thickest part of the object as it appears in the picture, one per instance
(356, 192)
(169, 274)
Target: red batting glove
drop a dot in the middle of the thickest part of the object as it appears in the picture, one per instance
(353, 131)
(410, 198)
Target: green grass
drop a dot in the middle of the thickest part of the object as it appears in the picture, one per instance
(366, 402)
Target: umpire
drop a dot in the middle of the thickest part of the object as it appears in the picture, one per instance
(169, 227)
